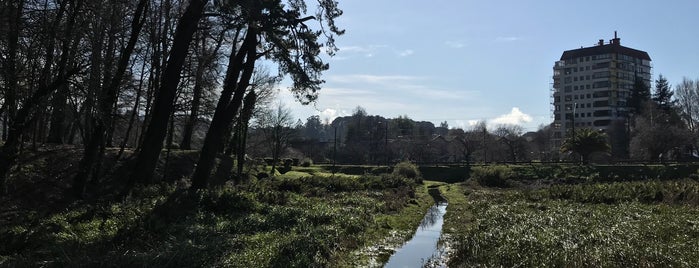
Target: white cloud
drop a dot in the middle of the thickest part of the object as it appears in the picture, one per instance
(515, 117)
(473, 122)
(403, 85)
(507, 39)
(329, 114)
(454, 44)
(406, 53)
(367, 51)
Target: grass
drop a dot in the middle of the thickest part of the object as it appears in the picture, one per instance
(623, 224)
(296, 220)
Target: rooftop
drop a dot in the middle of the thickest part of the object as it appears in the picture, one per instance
(614, 46)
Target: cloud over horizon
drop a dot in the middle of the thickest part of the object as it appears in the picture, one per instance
(515, 117)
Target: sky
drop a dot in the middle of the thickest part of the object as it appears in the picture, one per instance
(464, 61)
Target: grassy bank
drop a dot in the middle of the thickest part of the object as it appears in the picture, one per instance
(299, 221)
(622, 224)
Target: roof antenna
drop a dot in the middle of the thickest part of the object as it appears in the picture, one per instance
(615, 35)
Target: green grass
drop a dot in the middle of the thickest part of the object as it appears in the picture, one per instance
(289, 221)
(588, 225)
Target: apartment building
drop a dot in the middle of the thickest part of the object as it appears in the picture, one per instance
(592, 88)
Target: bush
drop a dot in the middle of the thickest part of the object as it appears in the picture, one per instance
(408, 170)
(307, 162)
(493, 176)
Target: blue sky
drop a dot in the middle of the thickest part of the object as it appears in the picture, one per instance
(462, 61)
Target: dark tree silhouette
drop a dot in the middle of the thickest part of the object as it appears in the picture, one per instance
(584, 142)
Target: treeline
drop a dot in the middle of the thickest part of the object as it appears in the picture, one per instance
(371, 139)
(663, 122)
(132, 73)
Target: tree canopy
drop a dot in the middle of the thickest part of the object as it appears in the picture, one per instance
(584, 142)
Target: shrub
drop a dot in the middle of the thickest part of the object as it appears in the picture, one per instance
(307, 162)
(408, 170)
(493, 176)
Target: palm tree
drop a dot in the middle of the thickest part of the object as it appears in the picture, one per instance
(585, 142)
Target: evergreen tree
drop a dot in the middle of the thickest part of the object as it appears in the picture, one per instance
(663, 93)
(639, 95)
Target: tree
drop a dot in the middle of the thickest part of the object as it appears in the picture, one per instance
(469, 142)
(542, 141)
(94, 150)
(57, 66)
(662, 96)
(206, 55)
(277, 126)
(639, 96)
(152, 142)
(511, 135)
(280, 30)
(656, 135)
(255, 102)
(687, 99)
(584, 142)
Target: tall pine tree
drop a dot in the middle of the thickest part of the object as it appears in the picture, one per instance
(662, 95)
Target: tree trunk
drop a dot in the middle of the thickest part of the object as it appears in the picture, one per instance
(246, 114)
(11, 76)
(225, 109)
(58, 116)
(134, 110)
(91, 161)
(152, 142)
(11, 148)
(186, 143)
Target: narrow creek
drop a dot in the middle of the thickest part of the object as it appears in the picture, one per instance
(423, 245)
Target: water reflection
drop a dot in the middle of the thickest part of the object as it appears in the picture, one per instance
(424, 243)
(432, 216)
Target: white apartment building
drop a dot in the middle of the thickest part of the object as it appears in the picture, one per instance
(592, 87)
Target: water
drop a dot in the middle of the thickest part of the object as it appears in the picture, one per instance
(424, 243)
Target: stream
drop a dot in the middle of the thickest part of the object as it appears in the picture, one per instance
(423, 245)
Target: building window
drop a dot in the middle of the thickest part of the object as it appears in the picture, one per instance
(587, 86)
(601, 84)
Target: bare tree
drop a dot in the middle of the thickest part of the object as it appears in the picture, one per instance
(511, 136)
(56, 66)
(94, 151)
(277, 127)
(687, 97)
